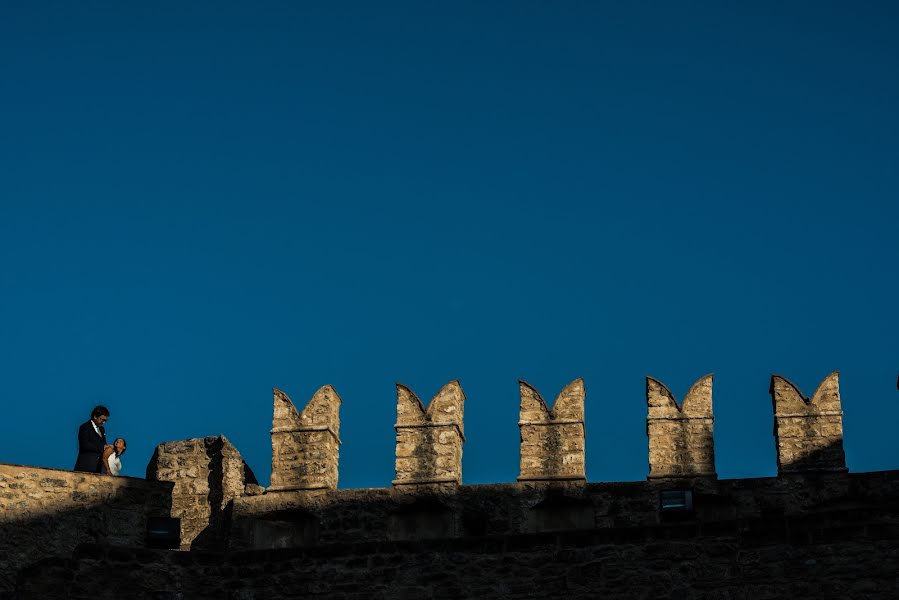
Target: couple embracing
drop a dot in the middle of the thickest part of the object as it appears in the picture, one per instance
(94, 454)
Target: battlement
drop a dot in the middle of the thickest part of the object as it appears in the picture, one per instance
(204, 484)
(808, 434)
(809, 431)
(427, 499)
(553, 440)
(305, 444)
(429, 441)
(681, 442)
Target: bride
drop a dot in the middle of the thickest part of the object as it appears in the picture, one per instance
(112, 464)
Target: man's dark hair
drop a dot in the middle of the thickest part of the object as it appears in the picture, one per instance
(99, 410)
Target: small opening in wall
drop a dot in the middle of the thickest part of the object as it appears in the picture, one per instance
(163, 532)
(676, 505)
(677, 500)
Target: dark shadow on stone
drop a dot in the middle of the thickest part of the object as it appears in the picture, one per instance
(425, 518)
(620, 555)
(821, 555)
(426, 458)
(829, 459)
(286, 529)
(508, 509)
(120, 520)
(214, 536)
(553, 449)
(561, 512)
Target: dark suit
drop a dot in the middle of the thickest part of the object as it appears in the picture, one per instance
(90, 448)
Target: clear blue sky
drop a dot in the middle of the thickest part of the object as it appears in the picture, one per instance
(200, 201)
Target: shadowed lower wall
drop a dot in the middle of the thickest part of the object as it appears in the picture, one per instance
(366, 515)
(840, 553)
(45, 512)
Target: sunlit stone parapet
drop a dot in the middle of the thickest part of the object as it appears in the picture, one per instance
(808, 432)
(429, 442)
(305, 445)
(681, 442)
(552, 440)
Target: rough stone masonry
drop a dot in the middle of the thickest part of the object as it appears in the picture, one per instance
(552, 440)
(305, 445)
(681, 442)
(207, 473)
(837, 520)
(429, 442)
(809, 431)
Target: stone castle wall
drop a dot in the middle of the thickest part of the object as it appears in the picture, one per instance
(429, 439)
(839, 554)
(45, 512)
(305, 444)
(551, 532)
(206, 475)
(428, 501)
(298, 519)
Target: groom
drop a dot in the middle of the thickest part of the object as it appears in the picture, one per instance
(91, 439)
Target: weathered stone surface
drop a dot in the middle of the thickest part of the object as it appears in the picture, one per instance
(305, 446)
(208, 473)
(808, 431)
(681, 442)
(552, 441)
(429, 442)
(831, 554)
(827, 534)
(323, 517)
(46, 512)
(813, 531)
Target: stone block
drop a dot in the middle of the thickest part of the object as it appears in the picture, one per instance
(429, 442)
(552, 440)
(808, 432)
(681, 442)
(305, 445)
